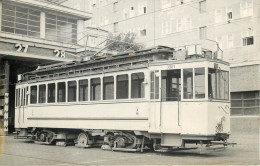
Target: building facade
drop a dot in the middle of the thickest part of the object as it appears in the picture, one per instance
(33, 33)
(233, 25)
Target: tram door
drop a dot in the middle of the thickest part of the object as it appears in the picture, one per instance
(171, 99)
(22, 102)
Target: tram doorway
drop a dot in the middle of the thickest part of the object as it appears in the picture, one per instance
(171, 99)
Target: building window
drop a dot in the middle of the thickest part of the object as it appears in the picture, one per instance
(202, 6)
(199, 81)
(95, 91)
(61, 29)
(179, 25)
(187, 23)
(42, 93)
(247, 38)
(229, 14)
(142, 7)
(188, 83)
(218, 15)
(166, 3)
(143, 32)
(245, 103)
(131, 12)
(83, 90)
(203, 32)
(115, 27)
(108, 88)
(61, 92)
(72, 88)
(122, 87)
(115, 6)
(246, 8)
(166, 28)
(125, 13)
(19, 20)
(33, 95)
(137, 86)
(51, 93)
(230, 41)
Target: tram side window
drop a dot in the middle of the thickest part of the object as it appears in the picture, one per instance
(199, 80)
(95, 92)
(22, 96)
(188, 83)
(51, 93)
(122, 86)
(154, 80)
(42, 93)
(83, 90)
(218, 84)
(108, 88)
(16, 97)
(61, 92)
(27, 95)
(171, 85)
(33, 95)
(72, 88)
(137, 86)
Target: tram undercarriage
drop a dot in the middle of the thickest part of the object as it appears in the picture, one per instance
(131, 141)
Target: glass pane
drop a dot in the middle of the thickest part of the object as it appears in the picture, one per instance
(137, 86)
(236, 111)
(236, 103)
(72, 88)
(171, 85)
(236, 95)
(188, 83)
(51, 93)
(122, 87)
(154, 85)
(108, 88)
(212, 83)
(61, 92)
(95, 92)
(33, 95)
(42, 93)
(199, 83)
(83, 90)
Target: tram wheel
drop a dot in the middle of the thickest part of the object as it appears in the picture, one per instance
(83, 140)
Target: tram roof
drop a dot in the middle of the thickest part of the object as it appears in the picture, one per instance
(153, 56)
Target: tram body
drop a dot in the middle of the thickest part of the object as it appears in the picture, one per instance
(165, 102)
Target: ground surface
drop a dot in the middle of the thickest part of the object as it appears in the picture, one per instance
(17, 152)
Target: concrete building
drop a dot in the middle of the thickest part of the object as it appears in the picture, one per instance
(233, 25)
(32, 33)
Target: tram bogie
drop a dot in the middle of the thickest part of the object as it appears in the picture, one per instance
(127, 103)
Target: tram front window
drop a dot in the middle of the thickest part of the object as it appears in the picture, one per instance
(171, 85)
(188, 83)
(199, 81)
(218, 84)
(61, 92)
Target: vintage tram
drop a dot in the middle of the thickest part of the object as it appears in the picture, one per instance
(159, 97)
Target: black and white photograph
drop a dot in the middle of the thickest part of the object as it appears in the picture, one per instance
(129, 82)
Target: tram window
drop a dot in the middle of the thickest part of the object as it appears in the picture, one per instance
(27, 95)
(95, 89)
(137, 86)
(22, 96)
(72, 88)
(33, 95)
(83, 90)
(51, 93)
(122, 87)
(42, 93)
(108, 88)
(61, 92)
(154, 79)
(218, 84)
(171, 85)
(199, 80)
(188, 83)
(16, 97)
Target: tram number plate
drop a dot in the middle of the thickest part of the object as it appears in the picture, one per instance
(170, 66)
